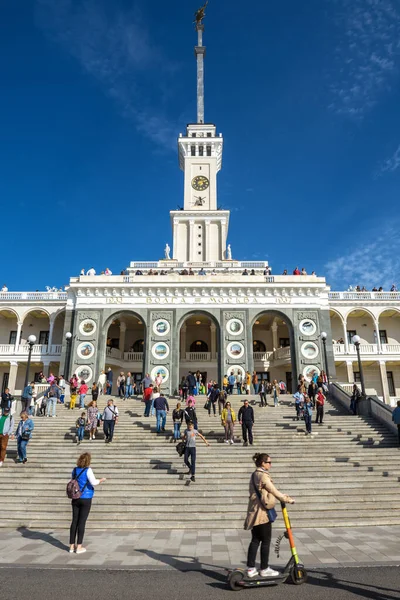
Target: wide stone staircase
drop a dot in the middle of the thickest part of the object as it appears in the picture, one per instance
(346, 474)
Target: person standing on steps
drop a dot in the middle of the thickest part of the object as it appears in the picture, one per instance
(80, 428)
(6, 400)
(95, 392)
(158, 381)
(212, 400)
(276, 392)
(191, 379)
(263, 496)
(320, 400)
(396, 418)
(84, 475)
(101, 383)
(147, 396)
(23, 435)
(248, 382)
(92, 417)
(190, 448)
(222, 398)
(146, 383)
(263, 393)
(156, 394)
(228, 419)
(308, 410)
(231, 383)
(6, 431)
(109, 381)
(184, 388)
(190, 414)
(110, 419)
(128, 386)
(246, 419)
(312, 391)
(161, 408)
(121, 385)
(239, 383)
(355, 397)
(177, 418)
(26, 398)
(83, 390)
(254, 381)
(298, 401)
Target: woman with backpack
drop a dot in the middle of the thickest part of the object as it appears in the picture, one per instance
(81, 505)
(23, 435)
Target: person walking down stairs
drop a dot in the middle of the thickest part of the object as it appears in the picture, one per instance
(190, 414)
(83, 390)
(308, 411)
(92, 418)
(298, 401)
(246, 419)
(80, 428)
(6, 431)
(161, 408)
(320, 402)
(110, 419)
(190, 448)
(262, 391)
(276, 391)
(23, 435)
(84, 475)
(228, 419)
(177, 418)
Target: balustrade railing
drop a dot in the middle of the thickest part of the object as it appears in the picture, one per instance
(133, 356)
(198, 356)
(262, 356)
(282, 353)
(364, 296)
(42, 296)
(37, 350)
(340, 349)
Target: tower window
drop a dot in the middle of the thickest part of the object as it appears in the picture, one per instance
(193, 150)
(208, 150)
(201, 151)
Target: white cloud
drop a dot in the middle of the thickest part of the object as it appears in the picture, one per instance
(372, 261)
(390, 164)
(367, 56)
(115, 48)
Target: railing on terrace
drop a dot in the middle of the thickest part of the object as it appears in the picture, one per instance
(340, 349)
(32, 296)
(262, 356)
(198, 356)
(38, 349)
(126, 356)
(364, 296)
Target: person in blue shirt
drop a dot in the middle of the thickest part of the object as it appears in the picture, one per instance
(308, 411)
(299, 400)
(231, 381)
(23, 435)
(396, 418)
(83, 474)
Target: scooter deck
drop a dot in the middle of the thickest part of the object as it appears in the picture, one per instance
(247, 582)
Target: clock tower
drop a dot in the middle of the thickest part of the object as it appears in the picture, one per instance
(200, 230)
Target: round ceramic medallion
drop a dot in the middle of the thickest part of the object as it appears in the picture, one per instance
(84, 372)
(236, 371)
(310, 371)
(85, 350)
(309, 350)
(235, 350)
(161, 327)
(307, 327)
(87, 327)
(163, 372)
(160, 350)
(234, 326)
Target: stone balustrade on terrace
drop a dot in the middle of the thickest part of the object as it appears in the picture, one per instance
(32, 296)
(23, 350)
(364, 296)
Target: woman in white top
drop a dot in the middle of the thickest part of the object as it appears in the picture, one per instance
(102, 383)
(155, 394)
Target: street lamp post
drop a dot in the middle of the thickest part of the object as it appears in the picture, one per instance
(31, 343)
(356, 341)
(68, 337)
(324, 335)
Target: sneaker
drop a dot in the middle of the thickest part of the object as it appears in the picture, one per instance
(25, 460)
(245, 444)
(1, 463)
(252, 572)
(226, 441)
(232, 442)
(94, 437)
(269, 573)
(193, 478)
(80, 551)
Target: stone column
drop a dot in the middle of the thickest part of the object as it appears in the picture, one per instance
(223, 239)
(274, 329)
(213, 329)
(183, 342)
(384, 381)
(12, 378)
(175, 242)
(350, 372)
(346, 339)
(122, 334)
(51, 329)
(190, 253)
(377, 336)
(207, 241)
(18, 338)
(46, 367)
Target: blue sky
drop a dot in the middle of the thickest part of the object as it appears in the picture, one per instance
(95, 93)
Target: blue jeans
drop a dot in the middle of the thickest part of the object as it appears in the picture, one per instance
(161, 419)
(276, 399)
(51, 407)
(82, 400)
(190, 453)
(147, 407)
(62, 398)
(239, 388)
(307, 419)
(21, 447)
(128, 391)
(80, 433)
(177, 430)
(109, 389)
(255, 386)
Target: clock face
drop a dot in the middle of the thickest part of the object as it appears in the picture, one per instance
(200, 183)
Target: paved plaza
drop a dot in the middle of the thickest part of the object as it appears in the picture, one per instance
(194, 550)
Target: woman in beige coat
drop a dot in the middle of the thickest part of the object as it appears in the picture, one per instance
(257, 515)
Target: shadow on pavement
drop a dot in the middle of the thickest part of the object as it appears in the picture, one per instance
(45, 537)
(332, 580)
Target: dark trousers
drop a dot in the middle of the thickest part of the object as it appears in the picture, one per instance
(320, 414)
(184, 393)
(147, 407)
(247, 427)
(25, 403)
(190, 453)
(260, 534)
(211, 405)
(298, 409)
(263, 398)
(108, 428)
(230, 388)
(80, 512)
(221, 406)
(398, 429)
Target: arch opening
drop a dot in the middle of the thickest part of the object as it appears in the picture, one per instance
(198, 348)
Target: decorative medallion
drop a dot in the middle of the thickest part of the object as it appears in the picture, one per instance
(310, 371)
(160, 350)
(87, 327)
(307, 327)
(85, 350)
(236, 370)
(163, 371)
(161, 327)
(84, 372)
(235, 350)
(309, 350)
(234, 327)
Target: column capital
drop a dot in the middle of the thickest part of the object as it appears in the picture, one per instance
(13, 363)
(382, 363)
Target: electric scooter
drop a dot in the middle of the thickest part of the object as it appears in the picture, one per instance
(294, 570)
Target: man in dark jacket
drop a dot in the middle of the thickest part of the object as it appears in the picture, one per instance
(6, 400)
(190, 414)
(109, 383)
(161, 408)
(191, 379)
(246, 419)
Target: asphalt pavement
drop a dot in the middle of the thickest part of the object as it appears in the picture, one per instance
(377, 583)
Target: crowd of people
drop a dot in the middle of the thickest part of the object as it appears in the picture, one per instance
(358, 288)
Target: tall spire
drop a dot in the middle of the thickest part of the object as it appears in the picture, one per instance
(200, 52)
